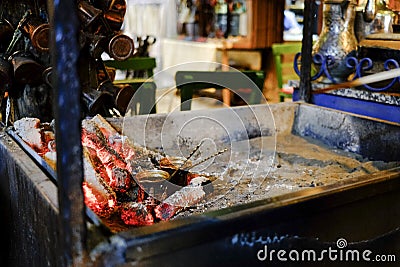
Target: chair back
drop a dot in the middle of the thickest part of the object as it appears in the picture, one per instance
(134, 63)
(144, 99)
(283, 54)
(247, 84)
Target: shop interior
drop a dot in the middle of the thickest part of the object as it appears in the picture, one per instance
(188, 31)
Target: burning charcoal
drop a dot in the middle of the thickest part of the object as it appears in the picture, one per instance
(129, 150)
(51, 145)
(46, 126)
(96, 164)
(141, 196)
(118, 142)
(108, 142)
(186, 197)
(136, 157)
(132, 195)
(108, 157)
(91, 174)
(136, 214)
(101, 204)
(99, 197)
(120, 180)
(29, 130)
(51, 155)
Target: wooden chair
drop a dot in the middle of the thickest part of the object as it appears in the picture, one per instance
(248, 85)
(283, 58)
(146, 97)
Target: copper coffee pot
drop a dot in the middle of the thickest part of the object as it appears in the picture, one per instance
(121, 94)
(114, 19)
(120, 47)
(119, 5)
(88, 14)
(114, 12)
(26, 69)
(96, 102)
(38, 32)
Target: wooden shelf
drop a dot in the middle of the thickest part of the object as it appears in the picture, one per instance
(265, 24)
(387, 44)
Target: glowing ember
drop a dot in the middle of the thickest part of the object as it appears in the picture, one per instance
(101, 204)
(111, 163)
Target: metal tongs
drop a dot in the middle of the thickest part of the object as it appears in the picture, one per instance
(184, 167)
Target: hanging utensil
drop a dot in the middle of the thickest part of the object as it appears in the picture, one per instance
(38, 32)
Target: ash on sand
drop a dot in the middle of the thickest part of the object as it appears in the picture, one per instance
(297, 164)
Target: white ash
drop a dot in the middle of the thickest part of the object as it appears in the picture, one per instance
(297, 164)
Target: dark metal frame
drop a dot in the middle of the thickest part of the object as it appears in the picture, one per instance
(65, 53)
(306, 60)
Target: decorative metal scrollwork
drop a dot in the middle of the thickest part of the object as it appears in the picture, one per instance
(323, 63)
(359, 66)
(366, 64)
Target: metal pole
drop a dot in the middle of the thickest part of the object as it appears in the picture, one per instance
(306, 58)
(65, 52)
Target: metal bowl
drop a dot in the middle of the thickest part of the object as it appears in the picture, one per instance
(152, 176)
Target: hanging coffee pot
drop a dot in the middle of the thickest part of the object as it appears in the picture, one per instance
(88, 14)
(38, 32)
(121, 94)
(26, 69)
(120, 47)
(337, 40)
(115, 19)
(96, 102)
(47, 76)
